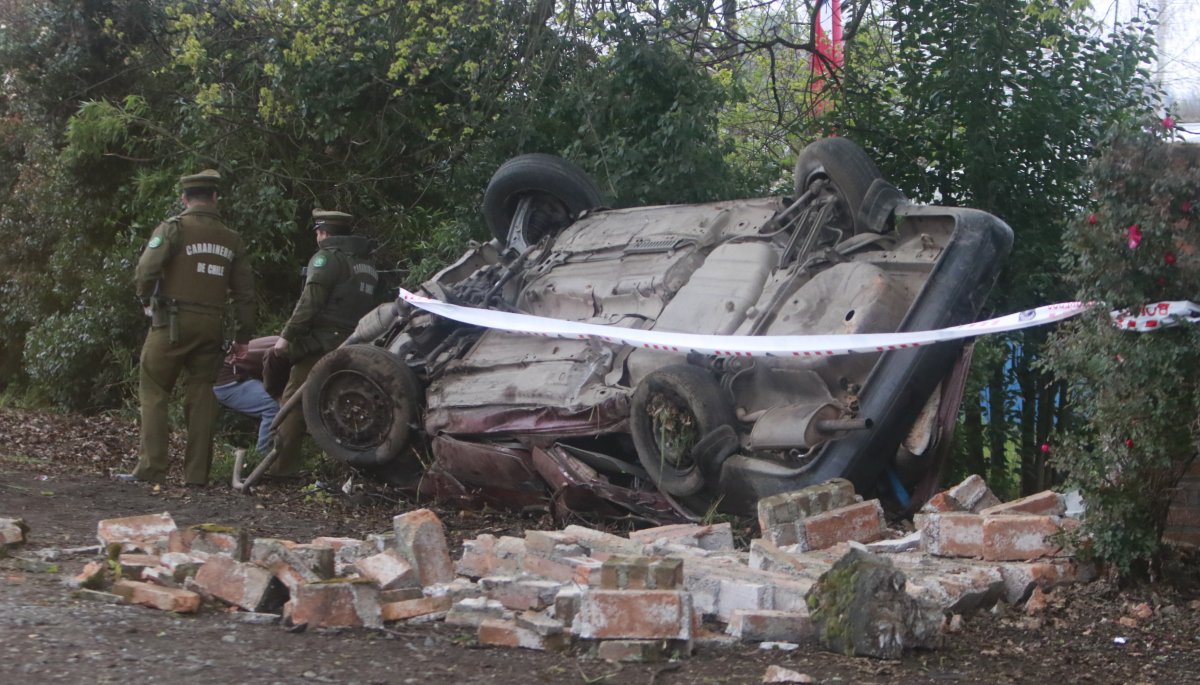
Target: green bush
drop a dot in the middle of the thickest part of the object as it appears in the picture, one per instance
(1133, 427)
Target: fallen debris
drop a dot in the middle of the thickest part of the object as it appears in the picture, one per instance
(12, 532)
(779, 674)
(651, 596)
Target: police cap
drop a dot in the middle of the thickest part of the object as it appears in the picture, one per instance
(334, 223)
(209, 179)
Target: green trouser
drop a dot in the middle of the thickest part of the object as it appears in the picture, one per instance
(291, 430)
(197, 353)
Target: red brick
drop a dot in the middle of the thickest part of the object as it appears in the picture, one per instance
(182, 566)
(546, 543)
(525, 594)
(149, 533)
(336, 603)
(952, 534)
(388, 570)
(243, 585)
(635, 614)
(641, 573)
(941, 503)
(421, 540)
(503, 633)
(1045, 503)
(132, 564)
(766, 625)
(293, 564)
(862, 522)
(345, 550)
(208, 538)
(411, 608)
(601, 545)
(717, 537)
(92, 577)
(165, 598)
(478, 557)
(1020, 537)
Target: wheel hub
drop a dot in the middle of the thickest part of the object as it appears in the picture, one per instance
(674, 431)
(355, 410)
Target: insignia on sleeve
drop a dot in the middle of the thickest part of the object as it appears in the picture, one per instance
(318, 261)
(155, 241)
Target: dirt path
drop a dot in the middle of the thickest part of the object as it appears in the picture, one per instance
(47, 635)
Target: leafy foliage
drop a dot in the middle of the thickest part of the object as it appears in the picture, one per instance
(1135, 399)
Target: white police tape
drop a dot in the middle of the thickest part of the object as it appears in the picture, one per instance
(1149, 317)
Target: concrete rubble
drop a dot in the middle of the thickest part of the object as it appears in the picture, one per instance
(651, 595)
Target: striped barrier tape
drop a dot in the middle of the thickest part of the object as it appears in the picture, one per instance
(1147, 318)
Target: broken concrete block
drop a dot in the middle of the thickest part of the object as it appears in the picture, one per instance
(475, 610)
(964, 590)
(1019, 537)
(292, 563)
(412, 608)
(735, 595)
(336, 603)
(164, 598)
(1045, 503)
(459, 588)
(768, 625)
(243, 585)
(861, 522)
(478, 557)
(860, 607)
(766, 556)
(207, 539)
(1020, 579)
(641, 573)
(716, 537)
(634, 614)
(507, 633)
(958, 534)
(148, 533)
(421, 540)
(388, 570)
(12, 532)
(778, 512)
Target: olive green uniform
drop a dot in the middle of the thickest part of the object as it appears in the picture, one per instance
(339, 290)
(189, 269)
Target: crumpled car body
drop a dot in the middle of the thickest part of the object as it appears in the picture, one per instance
(522, 421)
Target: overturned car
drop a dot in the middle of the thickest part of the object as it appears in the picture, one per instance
(498, 417)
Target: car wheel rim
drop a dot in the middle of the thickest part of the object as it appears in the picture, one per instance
(355, 410)
(675, 430)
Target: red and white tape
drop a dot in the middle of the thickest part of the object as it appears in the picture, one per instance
(1149, 317)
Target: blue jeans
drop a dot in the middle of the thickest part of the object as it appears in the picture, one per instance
(249, 398)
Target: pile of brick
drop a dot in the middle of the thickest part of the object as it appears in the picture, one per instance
(652, 594)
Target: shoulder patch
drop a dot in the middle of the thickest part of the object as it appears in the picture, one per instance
(155, 242)
(318, 261)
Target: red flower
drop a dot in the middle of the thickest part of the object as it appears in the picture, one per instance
(1129, 443)
(1186, 206)
(1169, 259)
(1168, 122)
(1133, 236)
(1092, 219)
(1045, 448)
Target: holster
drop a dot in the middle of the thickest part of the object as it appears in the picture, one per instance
(164, 312)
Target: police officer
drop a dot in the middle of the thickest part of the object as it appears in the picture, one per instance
(189, 270)
(338, 291)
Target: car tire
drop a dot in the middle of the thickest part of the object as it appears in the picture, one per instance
(689, 397)
(850, 173)
(560, 192)
(361, 405)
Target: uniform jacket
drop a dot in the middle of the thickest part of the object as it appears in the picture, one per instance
(338, 291)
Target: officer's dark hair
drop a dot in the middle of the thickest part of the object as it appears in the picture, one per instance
(202, 194)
